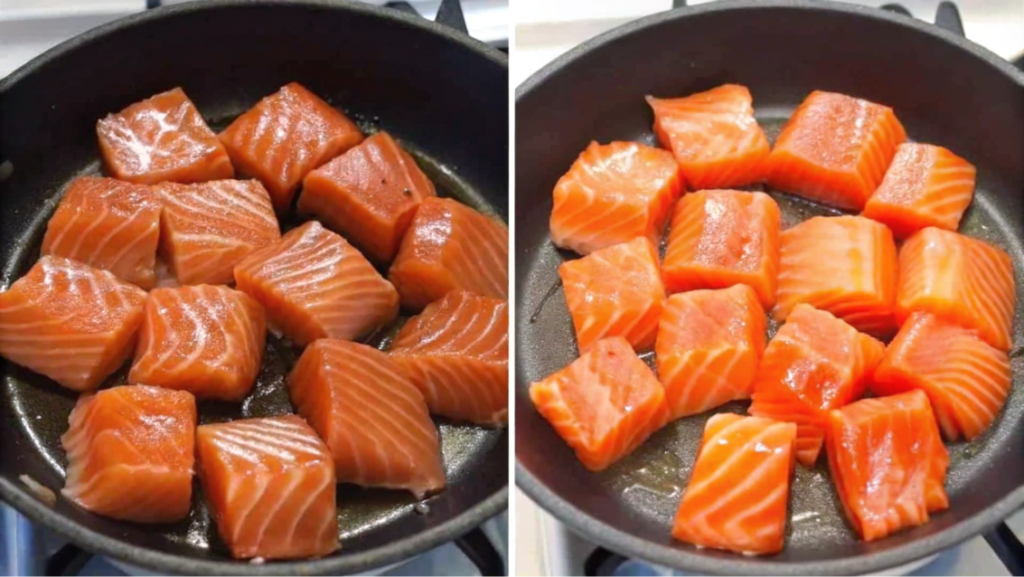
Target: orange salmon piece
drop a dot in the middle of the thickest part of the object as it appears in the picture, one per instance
(961, 279)
(846, 265)
(721, 238)
(966, 379)
(456, 353)
(815, 363)
(162, 138)
(615, 292)
(315, 285)
(108, 224)
(130, 453)
(285, 136)
(708, 348)
(835, 149)
(604, 405)
(926, 185)
(888, 463)
(70, 322)
(714, 136)
(369, 195)
(449, 246)
(207, 228)
(204, 339)
(612, 194)
(270, 487)
(373, 419)
(737, 496)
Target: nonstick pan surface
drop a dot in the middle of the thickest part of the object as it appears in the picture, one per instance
(441, 94)
(944, 89)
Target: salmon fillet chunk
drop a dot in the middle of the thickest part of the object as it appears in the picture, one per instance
(888, 463)
(612, 194)
(131, 452)
(162, 138)
(285, 136)
(373, 419)
(814, 364)
(835, 149)
(69, 321)
(604, 405)
(456, 353)
(270, 487)
(739, 489)
(369, 195)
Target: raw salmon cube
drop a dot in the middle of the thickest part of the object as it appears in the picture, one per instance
(270, 487)
(846, 265)
(369, 195)
(612, 194)
(888, 463)
(204, 339)
(456, 353)
(450, 246)
(720, 238)
(108, 224)
(714, 136)
(960, 279)
(315, 285)
(708, 348)
(206, 229)
(966, 379)
(814, 364)
(373, 419)
(738, 492)
(835, 149)
(131, 452)
(69, 321)
(615, 292)
(162, 138)
(604, 405)
(925, 185)
(286, 135)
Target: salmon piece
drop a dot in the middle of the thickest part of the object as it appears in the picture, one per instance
(966, 379)
(315, 285)
(204, 339)
(373, 419)
(846, 265)
(130, 453)
(270, 487)
(206, 229)
(926, 185)
(961, 279)
(285, 136)
(604, 405)
(450, 246)
(888, 463)
(835, 149)
(107, 224)
(815, 363)
(162, 138)
(721, 238)
(612, 194)
(615, 292)
(369, 195)
(70, 322)
(456, 353)
(737, 496)
(708, 348)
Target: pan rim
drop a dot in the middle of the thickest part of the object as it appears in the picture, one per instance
(622, 542)
(21, 499)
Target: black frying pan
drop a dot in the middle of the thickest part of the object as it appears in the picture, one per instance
(442, 94)
(945, 90)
